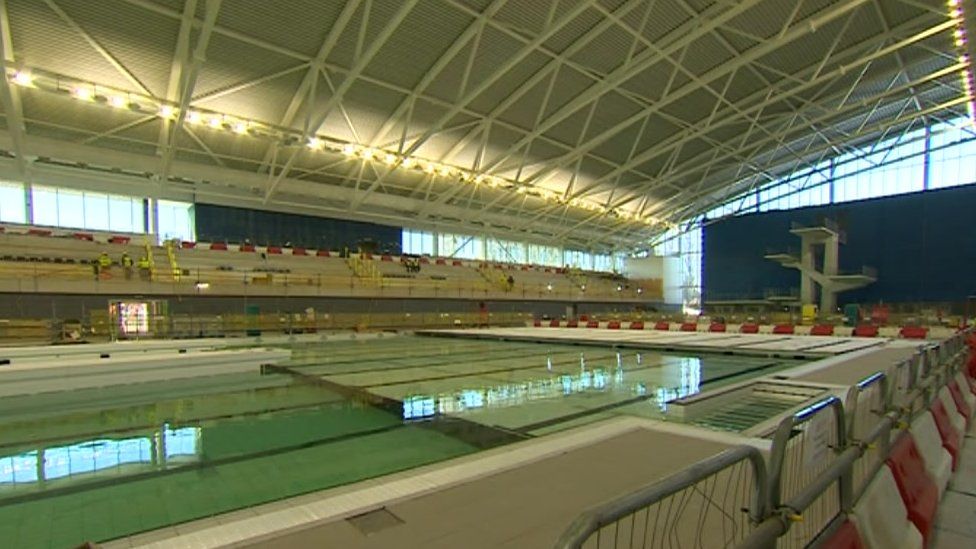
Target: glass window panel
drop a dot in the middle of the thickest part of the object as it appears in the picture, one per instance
(44, 206)
(12, 203)
(71, 208)
(174, 220)
(95, 211)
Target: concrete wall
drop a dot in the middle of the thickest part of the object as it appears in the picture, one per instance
(68, 306)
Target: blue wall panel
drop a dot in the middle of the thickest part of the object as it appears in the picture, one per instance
(224, 223)
(923, 245)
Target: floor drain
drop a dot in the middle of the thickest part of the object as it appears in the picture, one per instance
(375, 521)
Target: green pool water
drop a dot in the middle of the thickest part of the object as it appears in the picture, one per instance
(98, 464)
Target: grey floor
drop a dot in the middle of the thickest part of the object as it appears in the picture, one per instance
(955, 524)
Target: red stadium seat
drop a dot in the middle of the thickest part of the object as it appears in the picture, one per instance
(274, 250)
(689, 327)
(613, 325)
(846, 537)
(537, 323)
(914, 332)
(662, 325)
(950, 438)
(717, 327)
(219, 246)
(554, 323)
(119, 240)
(39, 232)
(441, 262)
(424, 261)
(299, 251)
(822, 330)
(188, 245)
(749, 328)
(918, 490)
(960, 401)
(457, 263)
(323, 253)
(584, 318)
(246, 247)
(593, 324)
(84, 236)
(866, 330)
(784, 329)
(572, 324)
(386, 257)
(637, 325)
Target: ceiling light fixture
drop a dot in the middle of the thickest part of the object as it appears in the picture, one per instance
(90, 92)
(83, 93)
(22, 78)
(960, 39)
(118, 101)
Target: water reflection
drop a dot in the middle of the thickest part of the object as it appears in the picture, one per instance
(679, 378)
(689, 372)
(163, 447)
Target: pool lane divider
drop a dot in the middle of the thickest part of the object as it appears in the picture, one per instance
(670, 346)
(510, 354)
(475, 434)
(527, 429)
(497, 354)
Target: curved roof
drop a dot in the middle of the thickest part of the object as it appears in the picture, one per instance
(586, 123)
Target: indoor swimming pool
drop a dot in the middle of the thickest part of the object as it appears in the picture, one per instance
(100, 463)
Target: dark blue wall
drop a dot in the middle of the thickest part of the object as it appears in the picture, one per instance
(223, 223)
(923, 245)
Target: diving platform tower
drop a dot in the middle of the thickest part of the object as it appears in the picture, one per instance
(826, 239)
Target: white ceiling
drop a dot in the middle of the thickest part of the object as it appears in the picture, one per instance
(652, 109)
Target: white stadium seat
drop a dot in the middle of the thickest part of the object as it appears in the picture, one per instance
(881, 516)
(938, 460)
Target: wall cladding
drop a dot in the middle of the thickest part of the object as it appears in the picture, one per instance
(923, 245)
(224, 223)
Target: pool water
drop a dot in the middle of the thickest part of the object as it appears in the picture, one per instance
(98, 464)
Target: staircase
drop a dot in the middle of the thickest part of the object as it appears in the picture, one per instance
(494, 277)
(365, 269)
(171, 256)
(576, 276)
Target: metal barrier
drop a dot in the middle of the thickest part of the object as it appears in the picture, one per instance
(806, 445)
(713, 503)
(867, 451)
(903, 380)
(866, 406)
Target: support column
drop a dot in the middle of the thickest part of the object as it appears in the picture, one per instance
(828, 293)
(807, 286)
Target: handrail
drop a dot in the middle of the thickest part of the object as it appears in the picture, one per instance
(600, 516)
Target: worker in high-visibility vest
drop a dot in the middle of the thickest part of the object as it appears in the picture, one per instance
(126, 263)
(145, 268)
(104, 261)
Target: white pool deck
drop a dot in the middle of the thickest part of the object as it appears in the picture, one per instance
(759, 344)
